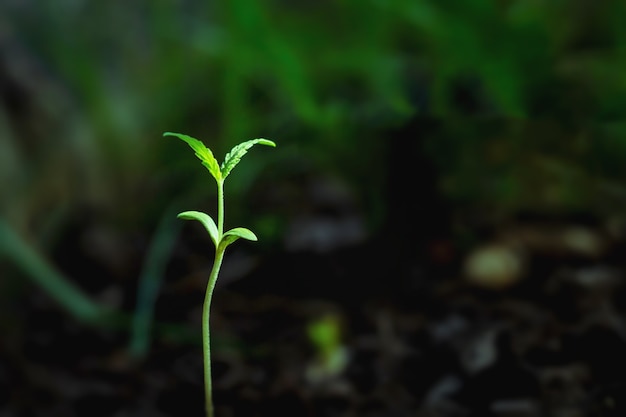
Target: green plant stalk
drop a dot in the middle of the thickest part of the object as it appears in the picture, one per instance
(220, 208)
(206, 308)
(206, 336)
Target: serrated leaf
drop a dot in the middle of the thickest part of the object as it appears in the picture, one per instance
(234, 156)
(202, 152)
(236, 233)
(205, 219)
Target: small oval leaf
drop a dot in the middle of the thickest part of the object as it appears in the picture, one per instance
(203, 153)
(205, 219)
(236, 233)
(234, 156)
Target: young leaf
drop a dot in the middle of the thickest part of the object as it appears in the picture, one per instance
(202, 152)
(236, 233)
(206, 221)
(234, 156)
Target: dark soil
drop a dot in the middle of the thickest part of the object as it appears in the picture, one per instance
(422, 335)
(421, 340)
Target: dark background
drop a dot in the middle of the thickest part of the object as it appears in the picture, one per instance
(446, 203)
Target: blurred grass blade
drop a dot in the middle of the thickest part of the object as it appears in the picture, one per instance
(35, 267)
(150, 282)
(71, 298)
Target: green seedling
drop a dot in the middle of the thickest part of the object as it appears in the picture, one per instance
(331, 356)
(220, 239)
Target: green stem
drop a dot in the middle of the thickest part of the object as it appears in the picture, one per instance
(206, 338)
(220, 208)
(206, 308)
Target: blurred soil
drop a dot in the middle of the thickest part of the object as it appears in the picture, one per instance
(527, 323)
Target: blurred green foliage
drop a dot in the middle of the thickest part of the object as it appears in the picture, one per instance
(528, 96)
(531, 95)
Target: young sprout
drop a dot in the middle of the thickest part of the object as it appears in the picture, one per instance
(220, 238)
(331, 356)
